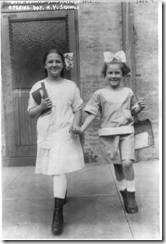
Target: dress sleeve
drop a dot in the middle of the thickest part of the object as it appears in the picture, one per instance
(31, 101)
(77, 100)
(94, 105)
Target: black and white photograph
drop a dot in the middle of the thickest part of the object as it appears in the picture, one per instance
(81, 120)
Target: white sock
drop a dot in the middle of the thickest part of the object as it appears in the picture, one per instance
(59, 186)
(130, 185)
(122, 185)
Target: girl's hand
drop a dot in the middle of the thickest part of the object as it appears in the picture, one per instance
(141, 103)
(75, 129)
(45, 104)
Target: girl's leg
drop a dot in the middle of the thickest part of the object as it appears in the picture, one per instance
(130, 183)
(59, 189)
(119, 173)
(129, 174)
(59, 186)
(127, 152)
(120, 176)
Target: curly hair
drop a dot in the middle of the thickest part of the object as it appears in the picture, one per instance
(124, 68)
(54, 50)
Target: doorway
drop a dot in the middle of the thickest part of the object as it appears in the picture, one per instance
(26, 37)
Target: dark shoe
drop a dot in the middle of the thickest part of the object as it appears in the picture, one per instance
(57, 223)
(132, 204)
(124, 196)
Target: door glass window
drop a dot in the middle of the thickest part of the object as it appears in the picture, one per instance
(29, 40)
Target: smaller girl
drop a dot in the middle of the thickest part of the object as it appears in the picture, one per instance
(58, 117)
(116, 105)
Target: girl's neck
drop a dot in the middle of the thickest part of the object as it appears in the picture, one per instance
(54, 79)
(118, 88)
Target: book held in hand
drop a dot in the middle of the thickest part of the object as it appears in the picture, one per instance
(37, 97)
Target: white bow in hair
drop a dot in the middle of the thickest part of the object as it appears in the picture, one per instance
(108, 56)
(68, 60)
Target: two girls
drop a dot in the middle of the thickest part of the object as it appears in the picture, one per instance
(60, 152)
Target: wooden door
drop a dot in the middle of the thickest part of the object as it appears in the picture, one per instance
(25, 39)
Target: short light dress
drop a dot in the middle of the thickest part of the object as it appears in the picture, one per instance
(116, 132)
(58, 150)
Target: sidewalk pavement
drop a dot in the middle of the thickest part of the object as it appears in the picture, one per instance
(94, 210)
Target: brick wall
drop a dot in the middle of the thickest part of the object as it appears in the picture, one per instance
(146, 63)
(100, 29)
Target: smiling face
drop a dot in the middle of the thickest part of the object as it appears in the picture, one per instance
(54, 65)
(114, 75)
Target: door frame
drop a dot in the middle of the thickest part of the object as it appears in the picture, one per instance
(10, 152)
(128, 41)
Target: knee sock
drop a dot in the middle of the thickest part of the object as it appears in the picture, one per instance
(122, 185)
(59, 186)
(130, 185)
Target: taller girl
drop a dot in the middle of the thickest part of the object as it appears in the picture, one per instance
(58, 150)
(116, 105)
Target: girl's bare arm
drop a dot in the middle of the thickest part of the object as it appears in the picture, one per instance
(76, 122)
(141, 103)
(89, 119)
(45, 104)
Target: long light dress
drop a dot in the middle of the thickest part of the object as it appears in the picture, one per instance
(58, 150)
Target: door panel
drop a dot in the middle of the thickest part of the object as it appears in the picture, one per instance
(29, 40)
(25, 127)
(29, 36)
